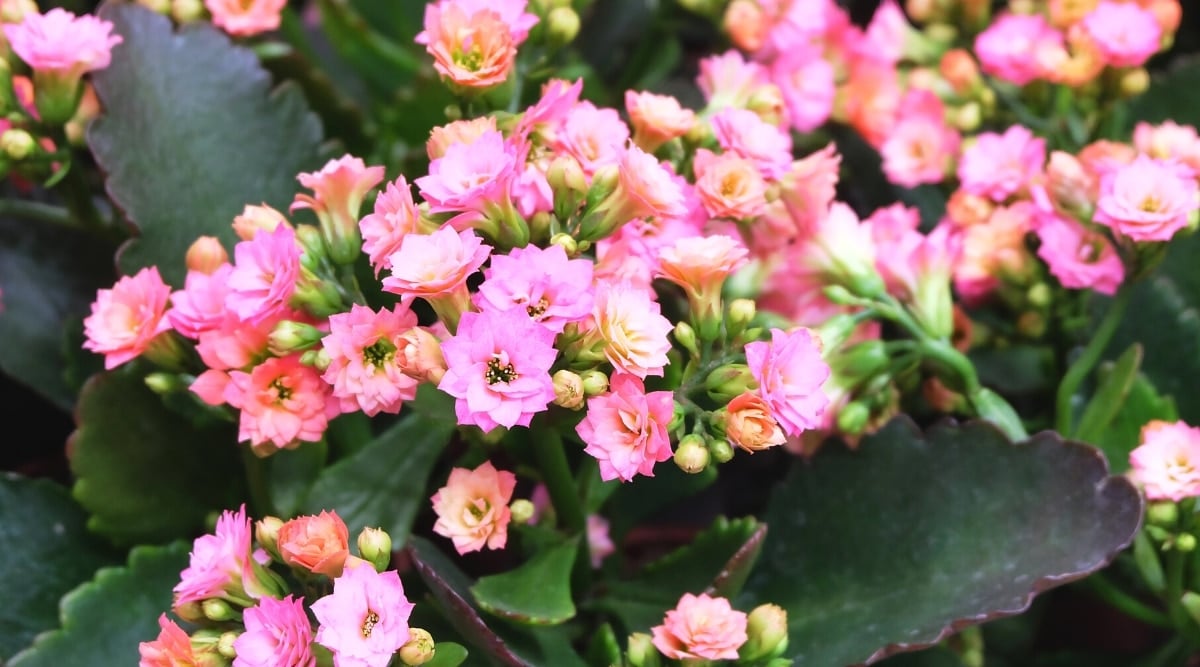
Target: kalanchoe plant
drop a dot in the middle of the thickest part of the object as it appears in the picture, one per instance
(458, 333)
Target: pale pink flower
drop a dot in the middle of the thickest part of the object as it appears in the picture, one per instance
(365, 367)
(632, 328)
(729, 186)
(1066, 186)
(1147, 200)
(550, 288)
(498, 367)
(1169, 141)
(395, 216)
(172, 647)
(558, 98)
(473, 49)
(1125, 33)
(464, 131)
(277, 633)
(649, 188)
(282, 402)
(625, 430)
(600, 545)
(594, 136)
(472, 508)
(1078, 257)
(1001, 165)
(246, 17)
(419, 353)
(748, 135)
(701, 628)
(218, 562)
(921, 146)
(266, 270)
(365, 620)
(200, 306)
(808, 189)
(530, 191)
(1007, 49)
(1166, 464)
(656, 119)
(809, 87)
(887, 32)
(512, 12)
(435, 264)
(468, 179)
(700, 264)
(790, 372)
(729, 80)
(841, 250)
(127, 317)
(62, 44)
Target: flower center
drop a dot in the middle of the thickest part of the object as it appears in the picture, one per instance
(497, 371)
(369, 622)
(478, 509)
(1150, 204)
(282, 391)
(380, 353)
(536, 310)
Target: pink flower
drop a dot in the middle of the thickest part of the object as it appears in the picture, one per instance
(218, 562)
(1078, 257)
(600, 545)
(1008, 47)
(921, 146)
(1167, 462)
(365, 368)
(266, 270)
(625, 430)
(700, 265)
(701, 628)
(645, 189)
(512, 12)
(558, 98)
(395, 217)
(277, 633)
(498, 367)
(200, 306)
(172, 647)
(790, 372)
(729, 186)
(656, 119)
(472, 49)
(729, 80)
(127, 317)
(1001, 165)
(748, 135)
(365, 620)
(550, 288)
(246, 17)
(282, 402)
(592, 135)
(470, 178)
(1147, 200)
(809, 87)
(62, 44)
(993, 250)
(1125, 33)
(464, 131)
(1169, 140)
(808, 190)
(435, 264)
(472, 508)
(338, 190)
(841, 251)
(319, 544)
(632, 328)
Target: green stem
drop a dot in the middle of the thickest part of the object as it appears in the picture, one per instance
(1087, 360)
(256, 481)
(38, 212)
(1104, 589)
(1176, 560)
(556, 475)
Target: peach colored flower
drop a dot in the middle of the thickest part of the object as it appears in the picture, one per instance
(729, 186)
(746, 24)
(701, 628)
(419, 353)
(256, 218)
(127, 317)
(632, 328)
(656, 119)
(172, 647)
(750, 426)
(1066, 186)
(993, 250)
(472, 508)
(594, 136)
(206, 255)
(1167, 462)
(473, 50)
(319, 544)
(282, 402)
(246, 17)
(700, 264)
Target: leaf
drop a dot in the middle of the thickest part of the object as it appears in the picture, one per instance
(144, 473)
(186, 147)
(292, 472)
(631, 503)
(1110, 396)
(536, 593)
(383, 484)
(103, 621)
(47, 552)
(448, 654)
(910, 538)
(1173, 95)
(1142, 405)
(48, 279)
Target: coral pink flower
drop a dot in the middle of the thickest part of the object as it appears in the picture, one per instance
(656, 119)
(626, 428)
(469, 49)
(1147, 200)
(246, 17)
(1169, 140)
(470, 178)
(748, 135)
(62, 44)
(558, 98)
(632, 328)
(419, 353)
(206, 255)
(172, 647)
(200, 306)
(749, 424)
(921, 146)
(498, 367)
(550, 288)
(808, 189)
(127, 317)
(993, 250)
(1078, 257)
(436, 264)
(790, 372)
(395, 216)
(729, 186)
(700, 265)
(594, 136)
(1126, 34)
(365, 620)
(729, 80)
(266, 270)
(648, 187)
(278, 632)
(338, 191)
(365, 367)
(1167, 462)
(512, 12)
(1008, 47)
(218, 563)
(1001, 165)
(318, 544)
(236, 344)
(472, 508)
(701, 628)
(457, 132)
(282, 402)
(808, 86)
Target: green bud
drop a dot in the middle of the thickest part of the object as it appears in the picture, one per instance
(687, 338)
(186, 11)
(568, 389)
(1185, 542)
(727, 382)
(318, 359)
(420, 648)
(562, 25)
(165, 383)
(767, 632)
(1191, 603)
(692, 455)
(288, 337)
(594, 382)
(677, 418)
(17, 144)
(840, 295)
(721, 450)
(567, 242)
(1163, 513)
(314, 251)
(216, 609)
(641, 651)
(225, 645)
(741, 312)
(522, 510)
(266, 531)
(375, 546)
(191, 612)
(853, 418)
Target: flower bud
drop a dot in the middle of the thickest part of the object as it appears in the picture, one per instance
(225, 645)
(186, 11)
(960, 70)
(691, 455)
(1162, 513)
(218, 610)
(686, 335)
(748, 424)
(288, 337)
(562, 25)
(568, 390)
(594, 382)
(375, 546)
(767, 633)
(318, 359)
(1134, 82)
(157, 6)
(165, 383)
(741, 312)
(312, 245)
(17, 144)
(852, 419)
(255, 218)
(419, 649)
(1185, 542)
(728, 382)
(206, 254)
(968, 117)
(566, 242)
(266, 531)
(641, 651)
(522, 510)
(677, 417)
(192, 612)
(720, 449)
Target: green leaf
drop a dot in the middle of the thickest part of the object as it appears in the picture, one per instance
(1110, 396)
(1124, 433)
(292, 473)
(47, 552)
(536, 593)
(1173, 95)
(448, 654)
(144, 473)
(103, 621)
(631, 503)
(186, 147)
(49, 277)
(897, 545)
(383, 484)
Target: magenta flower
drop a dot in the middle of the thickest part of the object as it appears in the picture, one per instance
(498, 367)
(265, 273)
(472, 508)
(550, 288)
(470, 178)
(395, 217)
(200, 306)
(282, 403)
(365, 620)
(1124, 32)
(1000, 165)
(625, 430)
(217, 562)
(748, 135)
(790, 372)
(277, 633)
(126, 318)
(365, 369)
(1008, 48)
(61, 43)
(1078, 257)
(1148, 199)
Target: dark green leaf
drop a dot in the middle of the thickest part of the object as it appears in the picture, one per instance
(1110, 396)
(448, 654)
(631, 503)
(48, 277)
(186, 147)
(536, 593)
(894, 546)
(1142, 405)
(292, 472)
(142, 472)
(383, 484)
(605, 649)
(47, 552)
(103, 621)
(1173, 95)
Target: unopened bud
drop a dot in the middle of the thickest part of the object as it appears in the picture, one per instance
(256, 218)
(1031, 324)
(17, 144)
(375, 547)
(318, 359)
(720, 449)
(216, 609)
(191, 611)
(767, 632)
(206, 255)
(522, 510)
(959, 69)
(419, 649)
(313, 245)
(741, 312)
(728, 382)
(968, 117)
(594, 382)
(565, 175)
(186, 11)
(691, 455)
(562, 25)
(677, 417)
(1134, 82)
(225, 645)
(686, 335)
(266, 531)
(157, 6)
(1164, 513)
(1185, 542)
(288, 337)
(165, 383)
(568, 390)
(641, 651)
(567, 242)
(604, 182)
(853, 418)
